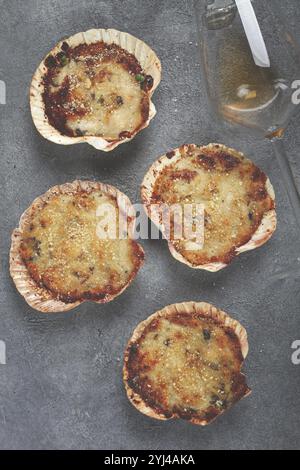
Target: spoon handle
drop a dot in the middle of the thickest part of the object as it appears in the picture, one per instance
(253, 32)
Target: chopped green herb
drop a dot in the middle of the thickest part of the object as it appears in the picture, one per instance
(217, 402)
(206, 335)
(140, 78)
(50, 61)
(62, 58)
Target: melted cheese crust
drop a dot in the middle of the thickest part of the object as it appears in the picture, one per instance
(230, 187)
(96, 91)
(187, 366)
(64, 254)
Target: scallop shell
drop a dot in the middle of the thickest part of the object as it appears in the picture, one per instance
(260, 237)
(144, 54)
(41, 299)
(206, 310)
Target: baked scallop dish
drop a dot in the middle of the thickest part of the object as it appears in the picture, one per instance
(75, 244)
(185, 362)
(237, 199)
(95, 87)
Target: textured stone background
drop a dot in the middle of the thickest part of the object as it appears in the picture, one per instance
(62, 385)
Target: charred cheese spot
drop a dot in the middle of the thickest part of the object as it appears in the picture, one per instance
(63, 253)
(93, 90)
(187, 366)
(230, 187)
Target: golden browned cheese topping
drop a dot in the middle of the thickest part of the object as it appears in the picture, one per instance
(64, 254)
(187, 366)
(232, 191)
(96, 90)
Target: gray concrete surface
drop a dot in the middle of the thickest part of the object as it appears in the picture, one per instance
(62, 384)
